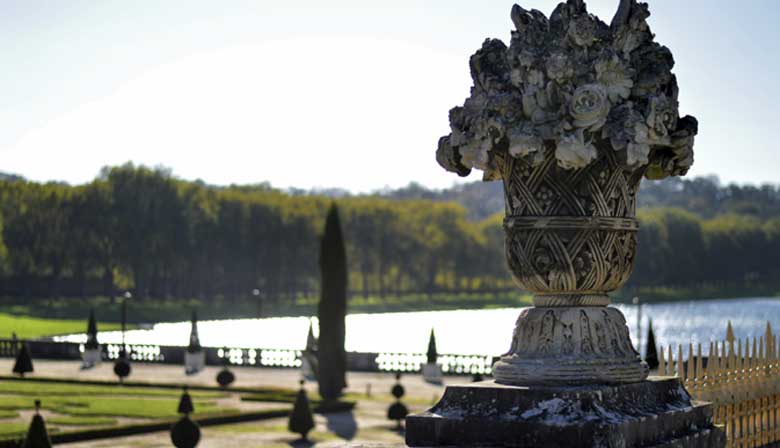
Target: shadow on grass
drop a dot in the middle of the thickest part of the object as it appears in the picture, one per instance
(302, 443)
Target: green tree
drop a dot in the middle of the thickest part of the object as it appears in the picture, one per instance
(332, 309)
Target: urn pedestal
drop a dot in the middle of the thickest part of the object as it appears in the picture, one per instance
(655, 413)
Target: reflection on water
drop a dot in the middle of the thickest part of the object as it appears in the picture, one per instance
(461, 331)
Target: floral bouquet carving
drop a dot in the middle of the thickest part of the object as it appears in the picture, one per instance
(571, 116)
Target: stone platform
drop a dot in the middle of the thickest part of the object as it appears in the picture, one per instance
(655, 413)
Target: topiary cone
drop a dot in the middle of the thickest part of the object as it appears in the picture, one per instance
(23, 362)
(651, 352)
(92, 342)
(185, 403)
(185, 433)
(37, 435)
(432, 355)
(301, 417)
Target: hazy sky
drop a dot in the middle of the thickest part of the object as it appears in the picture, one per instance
(350, 94)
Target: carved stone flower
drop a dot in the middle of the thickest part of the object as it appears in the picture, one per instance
(615, 77)
(661, 119)
(574, 152)
(522, 144)
(637, 154)
(589, 107)
(582, 30)
(559, 68)
(475, 154)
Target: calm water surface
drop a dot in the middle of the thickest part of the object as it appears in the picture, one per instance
(459, 331)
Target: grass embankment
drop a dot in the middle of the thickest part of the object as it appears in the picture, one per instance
(673, 294)
(28, 327)
(76, 310)
(70, 408)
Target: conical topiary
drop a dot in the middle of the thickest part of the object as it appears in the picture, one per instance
(651, 352)
(92, 341)
(301, 417)
(37, 435)
(185, 433)
(397, 411)
(311, 341)
(194, 345)
(432, 355)
(185, 403)
(23, 362)
(332, 309)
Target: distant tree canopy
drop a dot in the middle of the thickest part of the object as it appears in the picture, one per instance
(143, 229)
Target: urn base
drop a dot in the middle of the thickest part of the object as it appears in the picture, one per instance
(570, 346)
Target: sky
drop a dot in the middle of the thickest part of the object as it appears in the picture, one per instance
(312, 94)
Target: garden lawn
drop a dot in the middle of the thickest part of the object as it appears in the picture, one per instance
(72, 407)
(27, 327)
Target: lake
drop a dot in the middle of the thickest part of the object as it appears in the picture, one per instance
(485, 332)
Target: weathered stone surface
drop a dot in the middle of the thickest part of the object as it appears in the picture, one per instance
(658, 412)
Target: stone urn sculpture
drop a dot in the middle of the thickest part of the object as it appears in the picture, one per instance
(571, 116)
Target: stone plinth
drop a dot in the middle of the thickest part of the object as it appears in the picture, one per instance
(653, 413)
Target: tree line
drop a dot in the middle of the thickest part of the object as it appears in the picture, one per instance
(142, 229)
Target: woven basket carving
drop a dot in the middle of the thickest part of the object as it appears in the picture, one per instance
(570, 232)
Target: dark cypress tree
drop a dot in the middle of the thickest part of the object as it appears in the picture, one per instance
(92, 341)
(332, 309)
(397, 411)
(185, 433)
(651, 352)
(432, 355)
(37, 435)
(23, 362)
(301, 418)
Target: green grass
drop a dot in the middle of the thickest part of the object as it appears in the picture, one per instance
(13, 429)
(81, 421)
(45, 389)
(173, 310)
(150, 408)
(111, 401)
(8, 413)
(27, 327)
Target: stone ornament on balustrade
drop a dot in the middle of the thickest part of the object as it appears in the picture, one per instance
(570, 117)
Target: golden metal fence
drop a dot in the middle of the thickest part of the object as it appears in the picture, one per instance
(740, 378)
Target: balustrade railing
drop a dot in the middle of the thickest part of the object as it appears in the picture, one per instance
(256, 357)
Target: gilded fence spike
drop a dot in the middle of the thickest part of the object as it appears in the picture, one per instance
(680, 369)
(699, 368)
(730, 333)
(690, 374)
(661, 361)
(738, 360)
(670, 363)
